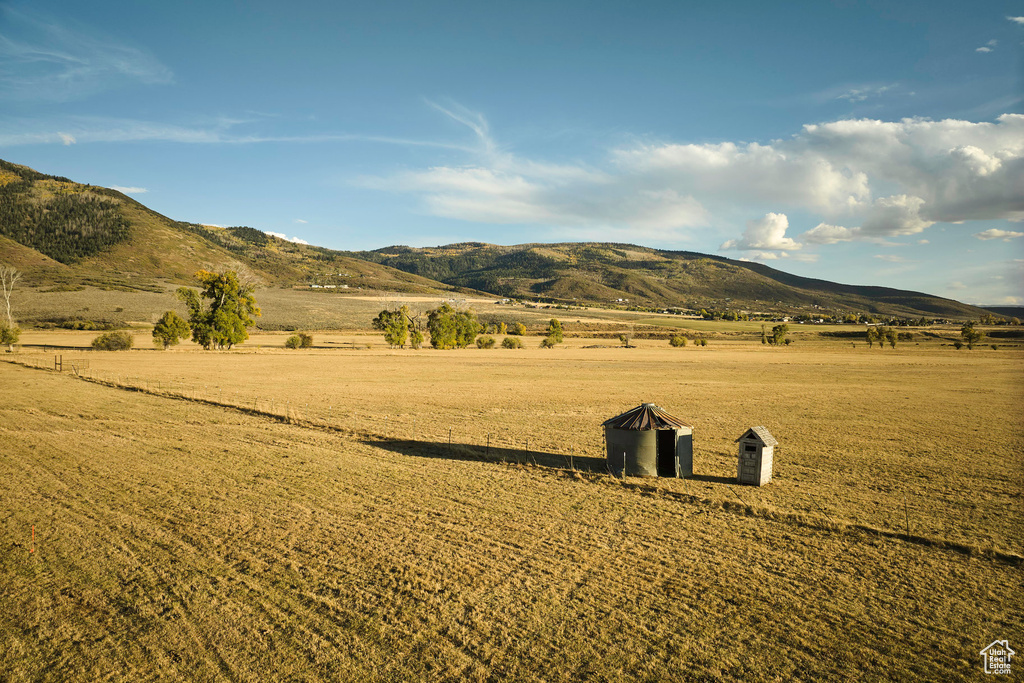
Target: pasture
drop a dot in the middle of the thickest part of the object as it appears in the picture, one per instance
(371, 514)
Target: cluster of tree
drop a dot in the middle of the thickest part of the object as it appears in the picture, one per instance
(722, 315)
(451, 328)
(883, 334)
(221, 323)
(250, 235)
(554, 334)
(244, 236)
(299, 341)
(67, 227)
(777, 337)
(398, 327)
(969, 335)
(990, 319)
(497, 327)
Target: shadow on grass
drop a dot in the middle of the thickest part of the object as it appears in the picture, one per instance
(712, 478)
(462, 451)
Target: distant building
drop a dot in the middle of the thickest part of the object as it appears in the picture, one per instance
(648, 442)
(756, 453)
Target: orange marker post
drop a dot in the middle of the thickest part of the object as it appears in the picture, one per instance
(33, 539)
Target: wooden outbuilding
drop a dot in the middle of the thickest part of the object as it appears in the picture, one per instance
(648, 442)
(757, 446)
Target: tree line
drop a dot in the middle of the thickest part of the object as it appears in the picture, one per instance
(452, 328)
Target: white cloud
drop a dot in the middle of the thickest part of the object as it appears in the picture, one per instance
(1016, 20)
(886, 179)
(824, 233)
(286, 238)
(983, 49)
(67, 139)
(861, 93)
(129, 190)
(895, 215)
(765, 233)
(51, 61)
(923, 242)
(996, 234)
(778, 255)
(956, 286)
(299, 220)
(891, 258)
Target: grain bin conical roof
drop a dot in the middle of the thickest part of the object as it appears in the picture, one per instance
(645, 416)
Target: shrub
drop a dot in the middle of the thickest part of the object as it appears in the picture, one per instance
(700, 342)
(306, 340)
(517, 328)
(678, 340)
(555, 331)
(548, 343)
(113, 341)
(299, 341)
(415, 339)
(994, 347)
(9, 335)
(511, 343)
(958, 345)
(170, 330)
(485, 342)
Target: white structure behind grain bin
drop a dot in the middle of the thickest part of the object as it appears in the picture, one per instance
(757, 447)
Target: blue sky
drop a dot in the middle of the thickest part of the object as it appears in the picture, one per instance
(863, 142)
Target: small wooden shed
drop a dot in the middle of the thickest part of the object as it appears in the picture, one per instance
(757, 446)
(648, 442)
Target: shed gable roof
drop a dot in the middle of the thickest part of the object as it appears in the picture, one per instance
(761, 434)
(645, 416)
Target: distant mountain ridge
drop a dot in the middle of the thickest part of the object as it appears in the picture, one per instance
(67, 234)
(626, 273)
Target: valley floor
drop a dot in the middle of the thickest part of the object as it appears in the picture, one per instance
(341, 538)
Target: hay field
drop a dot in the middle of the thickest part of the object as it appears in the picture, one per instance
(180, 539)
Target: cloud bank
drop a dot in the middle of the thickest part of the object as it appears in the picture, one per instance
(865, 180)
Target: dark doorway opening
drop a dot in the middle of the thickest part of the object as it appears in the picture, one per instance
(666, 453)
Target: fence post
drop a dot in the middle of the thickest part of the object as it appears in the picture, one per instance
(906, 514)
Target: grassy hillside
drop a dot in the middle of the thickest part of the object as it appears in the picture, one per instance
(66, 234)
(605, 273)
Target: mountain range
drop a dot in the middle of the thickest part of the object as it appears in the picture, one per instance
(61, 233)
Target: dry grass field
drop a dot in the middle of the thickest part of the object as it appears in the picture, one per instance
(324, 529)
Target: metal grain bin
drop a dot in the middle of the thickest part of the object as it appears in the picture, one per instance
(648, 442)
